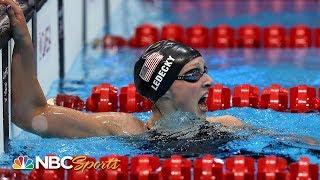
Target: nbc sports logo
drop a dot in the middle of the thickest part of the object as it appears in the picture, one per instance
(23, 163)
(54, 162)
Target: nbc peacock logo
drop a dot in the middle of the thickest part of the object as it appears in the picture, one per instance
(23, 163)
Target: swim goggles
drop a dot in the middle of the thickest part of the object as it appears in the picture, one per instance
(193, 75)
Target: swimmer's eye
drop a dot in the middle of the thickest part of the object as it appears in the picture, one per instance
(196, 71)
(192, 71)
(193, 75)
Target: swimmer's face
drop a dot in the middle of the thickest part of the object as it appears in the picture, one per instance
(192, 96)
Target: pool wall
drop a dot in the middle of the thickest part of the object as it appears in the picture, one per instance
(60, 29)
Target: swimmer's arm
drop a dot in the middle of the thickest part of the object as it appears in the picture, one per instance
(58, 121)
(26, 91)
(29, 107)
(226, 120)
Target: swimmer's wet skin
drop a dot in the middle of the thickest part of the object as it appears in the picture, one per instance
(156, 75)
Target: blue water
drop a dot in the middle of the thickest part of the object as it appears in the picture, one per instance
(288, 68)
(260, 67)
(211, 13)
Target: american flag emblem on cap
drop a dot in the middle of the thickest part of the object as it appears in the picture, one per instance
(150, 65)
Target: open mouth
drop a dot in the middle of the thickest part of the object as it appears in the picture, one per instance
(203, 103)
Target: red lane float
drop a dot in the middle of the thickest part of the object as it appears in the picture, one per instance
(274, 36)
(103, 98)
(303, 169)
(317, 104)
(122, 172)
(46, 174)
(197, 36)
(83, 174)
(111, 41)
(11, 174)
(70, 101)
(300, 36)
(133, 42)
(274, 97)
(173, 32)
(144, 167)
(249, 36)
(222, 36)
(317, 32)
(272, 167)
(302, 99)
(176, 167)
(132, 101)
(35, 174)
(219, 97)
(145, 35)
(245, 95)
(239, 167)
(207, 168)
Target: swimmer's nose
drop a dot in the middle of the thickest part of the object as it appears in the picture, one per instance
(207, 81)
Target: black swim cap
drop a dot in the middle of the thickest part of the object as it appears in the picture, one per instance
(159, 66)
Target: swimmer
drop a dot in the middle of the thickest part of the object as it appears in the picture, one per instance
(172, 75)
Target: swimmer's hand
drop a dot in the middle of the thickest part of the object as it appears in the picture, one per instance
(17, 21)
(310, 140)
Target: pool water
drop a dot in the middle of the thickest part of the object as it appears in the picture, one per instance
(211, 13)
(290, 132)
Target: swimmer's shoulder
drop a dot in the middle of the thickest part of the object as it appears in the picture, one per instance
(226, 120)
(119, 123)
